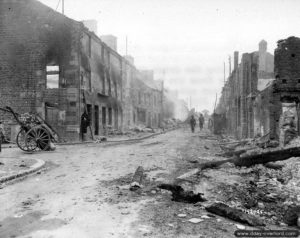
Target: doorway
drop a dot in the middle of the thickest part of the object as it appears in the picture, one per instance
(96, 117)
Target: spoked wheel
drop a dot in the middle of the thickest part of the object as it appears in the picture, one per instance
(23, 144)
(38, 136)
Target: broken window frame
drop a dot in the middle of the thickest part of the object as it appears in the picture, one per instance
(54, 71)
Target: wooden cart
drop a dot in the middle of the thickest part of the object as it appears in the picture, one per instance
(35, 133)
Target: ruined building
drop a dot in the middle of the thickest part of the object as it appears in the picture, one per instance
(238, 100)
(256, 99)
(56, 67)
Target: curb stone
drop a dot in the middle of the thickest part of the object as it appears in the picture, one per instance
(34, 168)
(40, 163)
(108, 141)
(119, 141)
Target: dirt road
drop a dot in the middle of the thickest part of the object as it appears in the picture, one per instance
(84, 190)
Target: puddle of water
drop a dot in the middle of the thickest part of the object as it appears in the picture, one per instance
(25, 224)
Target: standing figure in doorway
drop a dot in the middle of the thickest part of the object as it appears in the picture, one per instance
(85, 122)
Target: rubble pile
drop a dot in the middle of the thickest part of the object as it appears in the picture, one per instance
(266, 193)
(171, 123)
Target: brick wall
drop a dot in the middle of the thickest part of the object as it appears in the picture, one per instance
(32, 36)
(286, 87)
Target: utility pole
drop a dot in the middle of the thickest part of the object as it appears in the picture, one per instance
(229, 59)
(162, 102)
(63, 7)
(126, 46)
(224, 73)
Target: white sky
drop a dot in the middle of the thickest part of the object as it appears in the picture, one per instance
(189, 39)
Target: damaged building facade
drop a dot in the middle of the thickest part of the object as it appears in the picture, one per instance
(263, 91)
(56, 67)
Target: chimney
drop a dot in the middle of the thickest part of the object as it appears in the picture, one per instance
(110, 40)
(236, 59)
(91, 25)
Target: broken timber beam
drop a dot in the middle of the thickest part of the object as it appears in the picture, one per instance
(262, 156)
(235, 214)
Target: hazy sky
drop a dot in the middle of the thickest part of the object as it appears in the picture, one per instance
(189, 40)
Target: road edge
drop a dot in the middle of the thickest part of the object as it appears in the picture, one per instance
(34, 168)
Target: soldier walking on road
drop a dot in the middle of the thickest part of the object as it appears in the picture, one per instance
(201, 121)
(193, 123)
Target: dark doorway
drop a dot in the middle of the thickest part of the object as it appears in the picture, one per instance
(116, 118)
(51, 115)
(103, 116)
(109, 116)
(89, 112)
(96, 114)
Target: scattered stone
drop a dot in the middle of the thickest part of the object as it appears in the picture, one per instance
(194, 161)
(282, 224)
(291, 216)
(195, 220)
(205, 217)
(153, 192)
(181, 215)
(171, 225)
(241, 227)
(227, 165)
(261, 205)
(125, 213)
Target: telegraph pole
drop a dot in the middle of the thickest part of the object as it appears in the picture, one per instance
(229, 59)
(224, 73)
(63, 7)
(126, 46)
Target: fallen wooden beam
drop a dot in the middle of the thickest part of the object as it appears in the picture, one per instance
(263, 156)
(235, 214)
(255, 156)
(233, 142)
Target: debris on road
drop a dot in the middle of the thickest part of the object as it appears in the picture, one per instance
(195, 220)
(292, 216)
(179, 195)
(181, 215)
(235, 214)
(240, 227)
(137, 179)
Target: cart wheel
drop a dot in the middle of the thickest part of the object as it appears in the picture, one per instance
(23, 144)
(39, 136)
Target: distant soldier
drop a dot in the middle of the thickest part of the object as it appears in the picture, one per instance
(210, 124)
(201, 121)
(193, 123)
